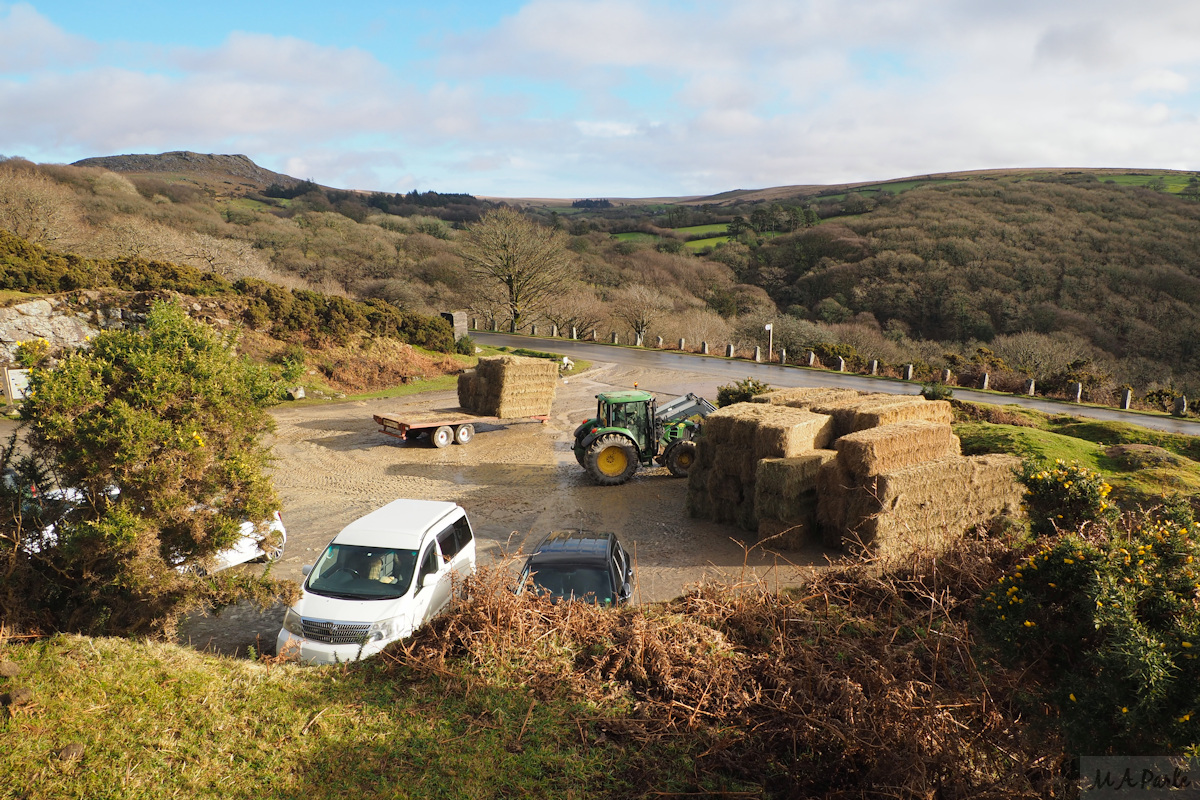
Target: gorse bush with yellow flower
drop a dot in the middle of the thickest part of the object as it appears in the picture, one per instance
(1107, 624)
(1064, 496)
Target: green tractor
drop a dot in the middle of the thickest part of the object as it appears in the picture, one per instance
(630, 430)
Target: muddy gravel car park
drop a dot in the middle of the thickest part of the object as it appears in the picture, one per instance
(517, 481)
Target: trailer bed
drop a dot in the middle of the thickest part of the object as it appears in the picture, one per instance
(444, 426)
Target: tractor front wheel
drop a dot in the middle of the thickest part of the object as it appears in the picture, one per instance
(611, 460)
(680, 457)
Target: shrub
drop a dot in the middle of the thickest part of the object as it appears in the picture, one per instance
(936, 391)
(740, 392)
(465, 346)
(32, 353)
(1109, 628)
(1063, 496)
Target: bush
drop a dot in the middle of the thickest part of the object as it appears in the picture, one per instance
(1108, 627)
(937, 391)
(1063, 496)
(740, 392)
(465, 346)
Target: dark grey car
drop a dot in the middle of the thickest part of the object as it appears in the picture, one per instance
(580, 565)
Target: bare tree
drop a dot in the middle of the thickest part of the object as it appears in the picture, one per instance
(517, 264)
(37, 208)
(639, 307)
(575, 307)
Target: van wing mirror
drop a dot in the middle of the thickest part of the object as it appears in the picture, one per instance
(306, 570)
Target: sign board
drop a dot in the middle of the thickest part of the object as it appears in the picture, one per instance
(16, 384)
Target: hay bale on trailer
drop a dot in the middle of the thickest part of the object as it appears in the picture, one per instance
(929, 506)
(509, 387)
(892, 447)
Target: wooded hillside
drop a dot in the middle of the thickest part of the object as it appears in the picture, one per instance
(1050, 274)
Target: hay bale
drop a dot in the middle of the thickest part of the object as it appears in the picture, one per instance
(929, 506)
(804, 397)
(845, 410)
(775, 535)
(893, 447)
(913, 408)
(509, 387)
(785, 489)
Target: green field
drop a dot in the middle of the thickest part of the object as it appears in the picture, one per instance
(700, 244)
(697, 230)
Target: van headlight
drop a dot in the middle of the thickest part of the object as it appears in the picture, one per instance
(386, 630)
(293, 623)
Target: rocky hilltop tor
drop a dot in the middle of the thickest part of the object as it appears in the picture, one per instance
(224, 174)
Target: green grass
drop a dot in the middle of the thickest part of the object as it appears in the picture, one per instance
(696, 230)
(1139, 479)
(159, 720)
(12, 296)
(1174, 183)
(700, 244)
(635, 236)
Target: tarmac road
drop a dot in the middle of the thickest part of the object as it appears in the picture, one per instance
(726, 370)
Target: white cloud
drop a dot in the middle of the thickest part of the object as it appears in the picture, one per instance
(29, 42)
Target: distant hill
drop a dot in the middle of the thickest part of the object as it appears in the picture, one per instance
(227, 175)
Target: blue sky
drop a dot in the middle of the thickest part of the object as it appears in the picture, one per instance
(607, 98)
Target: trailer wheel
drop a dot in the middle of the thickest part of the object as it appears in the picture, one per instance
(442, 436)
(680, 457)
(464, 433)
(612, 460)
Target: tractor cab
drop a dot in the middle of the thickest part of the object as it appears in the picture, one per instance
(631, 411)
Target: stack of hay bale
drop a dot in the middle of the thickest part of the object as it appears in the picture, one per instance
(509, 387)
(894, 480)
(721, 483)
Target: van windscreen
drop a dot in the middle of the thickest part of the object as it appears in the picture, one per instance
(354, 572)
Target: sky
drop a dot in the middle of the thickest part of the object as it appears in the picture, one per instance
(606, 98)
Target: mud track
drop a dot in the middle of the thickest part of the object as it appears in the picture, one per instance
(517, 481)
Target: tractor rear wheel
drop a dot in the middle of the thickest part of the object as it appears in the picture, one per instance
(680, 457)
(611, 460)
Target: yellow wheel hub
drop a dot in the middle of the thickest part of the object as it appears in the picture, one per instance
(612, 461)
(685, 459)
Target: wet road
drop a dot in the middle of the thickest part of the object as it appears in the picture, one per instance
(726, 370)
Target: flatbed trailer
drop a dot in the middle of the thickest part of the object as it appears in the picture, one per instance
(444, 426)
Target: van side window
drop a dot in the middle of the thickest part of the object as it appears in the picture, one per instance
(429, 564)
(445, 540)
(462, 532)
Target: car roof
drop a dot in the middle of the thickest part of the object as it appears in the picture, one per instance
(400, 524)
(574, 546)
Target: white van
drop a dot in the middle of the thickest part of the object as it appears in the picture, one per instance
(378, 580)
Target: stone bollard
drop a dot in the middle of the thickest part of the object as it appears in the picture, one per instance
(874, 366)
(682, 343)
(474, 324)
(841, 364)
(1126, 399)
(614, 337)
(594, 337)
(1030, 387)
(1181, 406)
(908, 372)
(1077, 391)
(553, 331)
(495, 326)
(533, 330)
(704, 348)
(783, 355)
(946, 376)
(983, 383)
(574, 332)
(729, 351)
(757, 355)
(659, 343)
(811, 358)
